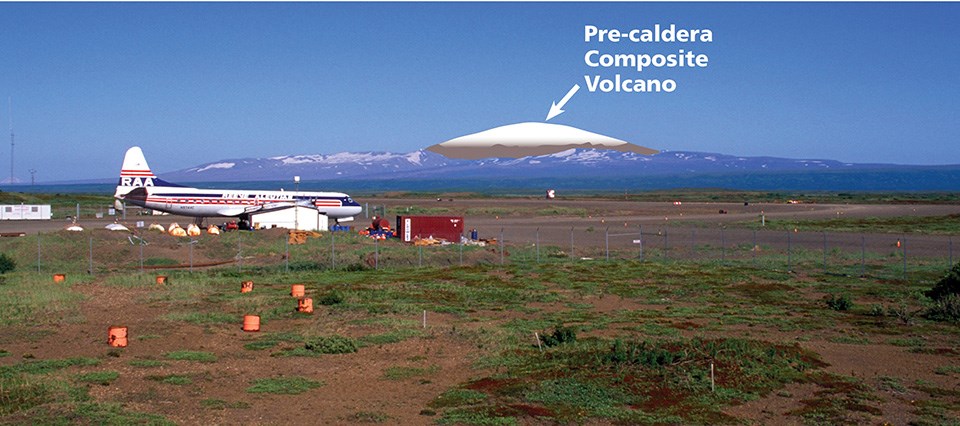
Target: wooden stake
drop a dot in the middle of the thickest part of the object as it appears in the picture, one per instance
(712, 381)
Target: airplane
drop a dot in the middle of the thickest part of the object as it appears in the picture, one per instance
(139, 186)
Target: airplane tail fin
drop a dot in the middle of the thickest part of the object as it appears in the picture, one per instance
(135, 173)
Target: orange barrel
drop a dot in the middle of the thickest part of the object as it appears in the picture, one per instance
(297, 290)
(305, 305)
(251, 323)
(59, 278)
(117, 336)
(246, 286)
(161, 279)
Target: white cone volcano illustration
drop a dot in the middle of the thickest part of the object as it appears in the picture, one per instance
(530, 139)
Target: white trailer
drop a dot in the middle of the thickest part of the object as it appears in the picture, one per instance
(25, 212)
(300, 218)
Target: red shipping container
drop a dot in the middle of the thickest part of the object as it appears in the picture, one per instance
(439, 227)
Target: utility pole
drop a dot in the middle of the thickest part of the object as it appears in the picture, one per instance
(10, 114)
(296, 207)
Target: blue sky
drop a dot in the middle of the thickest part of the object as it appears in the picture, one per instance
(190, 83)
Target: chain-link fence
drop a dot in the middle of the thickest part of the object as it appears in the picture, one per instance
(885, 256)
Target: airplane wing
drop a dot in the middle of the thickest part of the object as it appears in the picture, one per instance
(231, 211)
(237, 211)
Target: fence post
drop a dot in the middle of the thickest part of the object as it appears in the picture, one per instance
(38, 252)
(192, 243)
(606, 239)
(754, 248)
(501, 246)
(239, 251)
(461, 249)
(693, 245)
(538, 244)
(863, 255)
(824, 252)
(904, 257)
(571, 242)
(420, 258)
(640, 239)
(376, 254)
(141, 253)
(788, 251)
(333, 250)
(723, 246)
(666, 244)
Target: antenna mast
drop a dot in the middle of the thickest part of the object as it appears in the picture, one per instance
(10, 114)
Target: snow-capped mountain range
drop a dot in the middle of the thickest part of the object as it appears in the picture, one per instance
(422, 164)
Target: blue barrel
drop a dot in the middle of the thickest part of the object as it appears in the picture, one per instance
(474, 235)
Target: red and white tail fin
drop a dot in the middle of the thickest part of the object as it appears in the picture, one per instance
(135, 173)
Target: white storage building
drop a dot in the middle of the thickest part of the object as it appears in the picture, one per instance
(25, 212)
(301, 218)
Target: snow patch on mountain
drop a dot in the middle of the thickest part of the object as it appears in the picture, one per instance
(217, 166)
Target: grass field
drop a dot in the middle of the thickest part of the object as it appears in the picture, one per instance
(664, 340)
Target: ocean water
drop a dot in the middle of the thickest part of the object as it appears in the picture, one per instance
(921, 179)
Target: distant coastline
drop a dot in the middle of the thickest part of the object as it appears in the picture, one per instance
(901, 179)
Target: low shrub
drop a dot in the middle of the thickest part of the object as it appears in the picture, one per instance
(560, 336)
(331, 298)
(331, 345)
(283, 385)
(949, 284)
(6, 264)
(839, 303)
(945, 309)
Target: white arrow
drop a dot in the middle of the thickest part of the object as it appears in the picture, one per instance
(557, 109)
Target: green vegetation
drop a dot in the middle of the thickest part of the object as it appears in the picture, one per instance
(839, 302)
(946, 297)
(396, 336)
(98, 377)
(171, 379)
(630, 381)
(201, 317)
(23, 304)
(219, 404)
(368, 417)
(316, 346)
(949, 224)
(45, 366)
(283, 385)
(559, 336)
(949, 284)
(198, 356)
(331, 298)
(146, 363)
(271, 340)
(624, 342)
(6, 264)
(37, 392)
(404, 372)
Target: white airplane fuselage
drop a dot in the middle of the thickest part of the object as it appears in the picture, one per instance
(197, 202)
